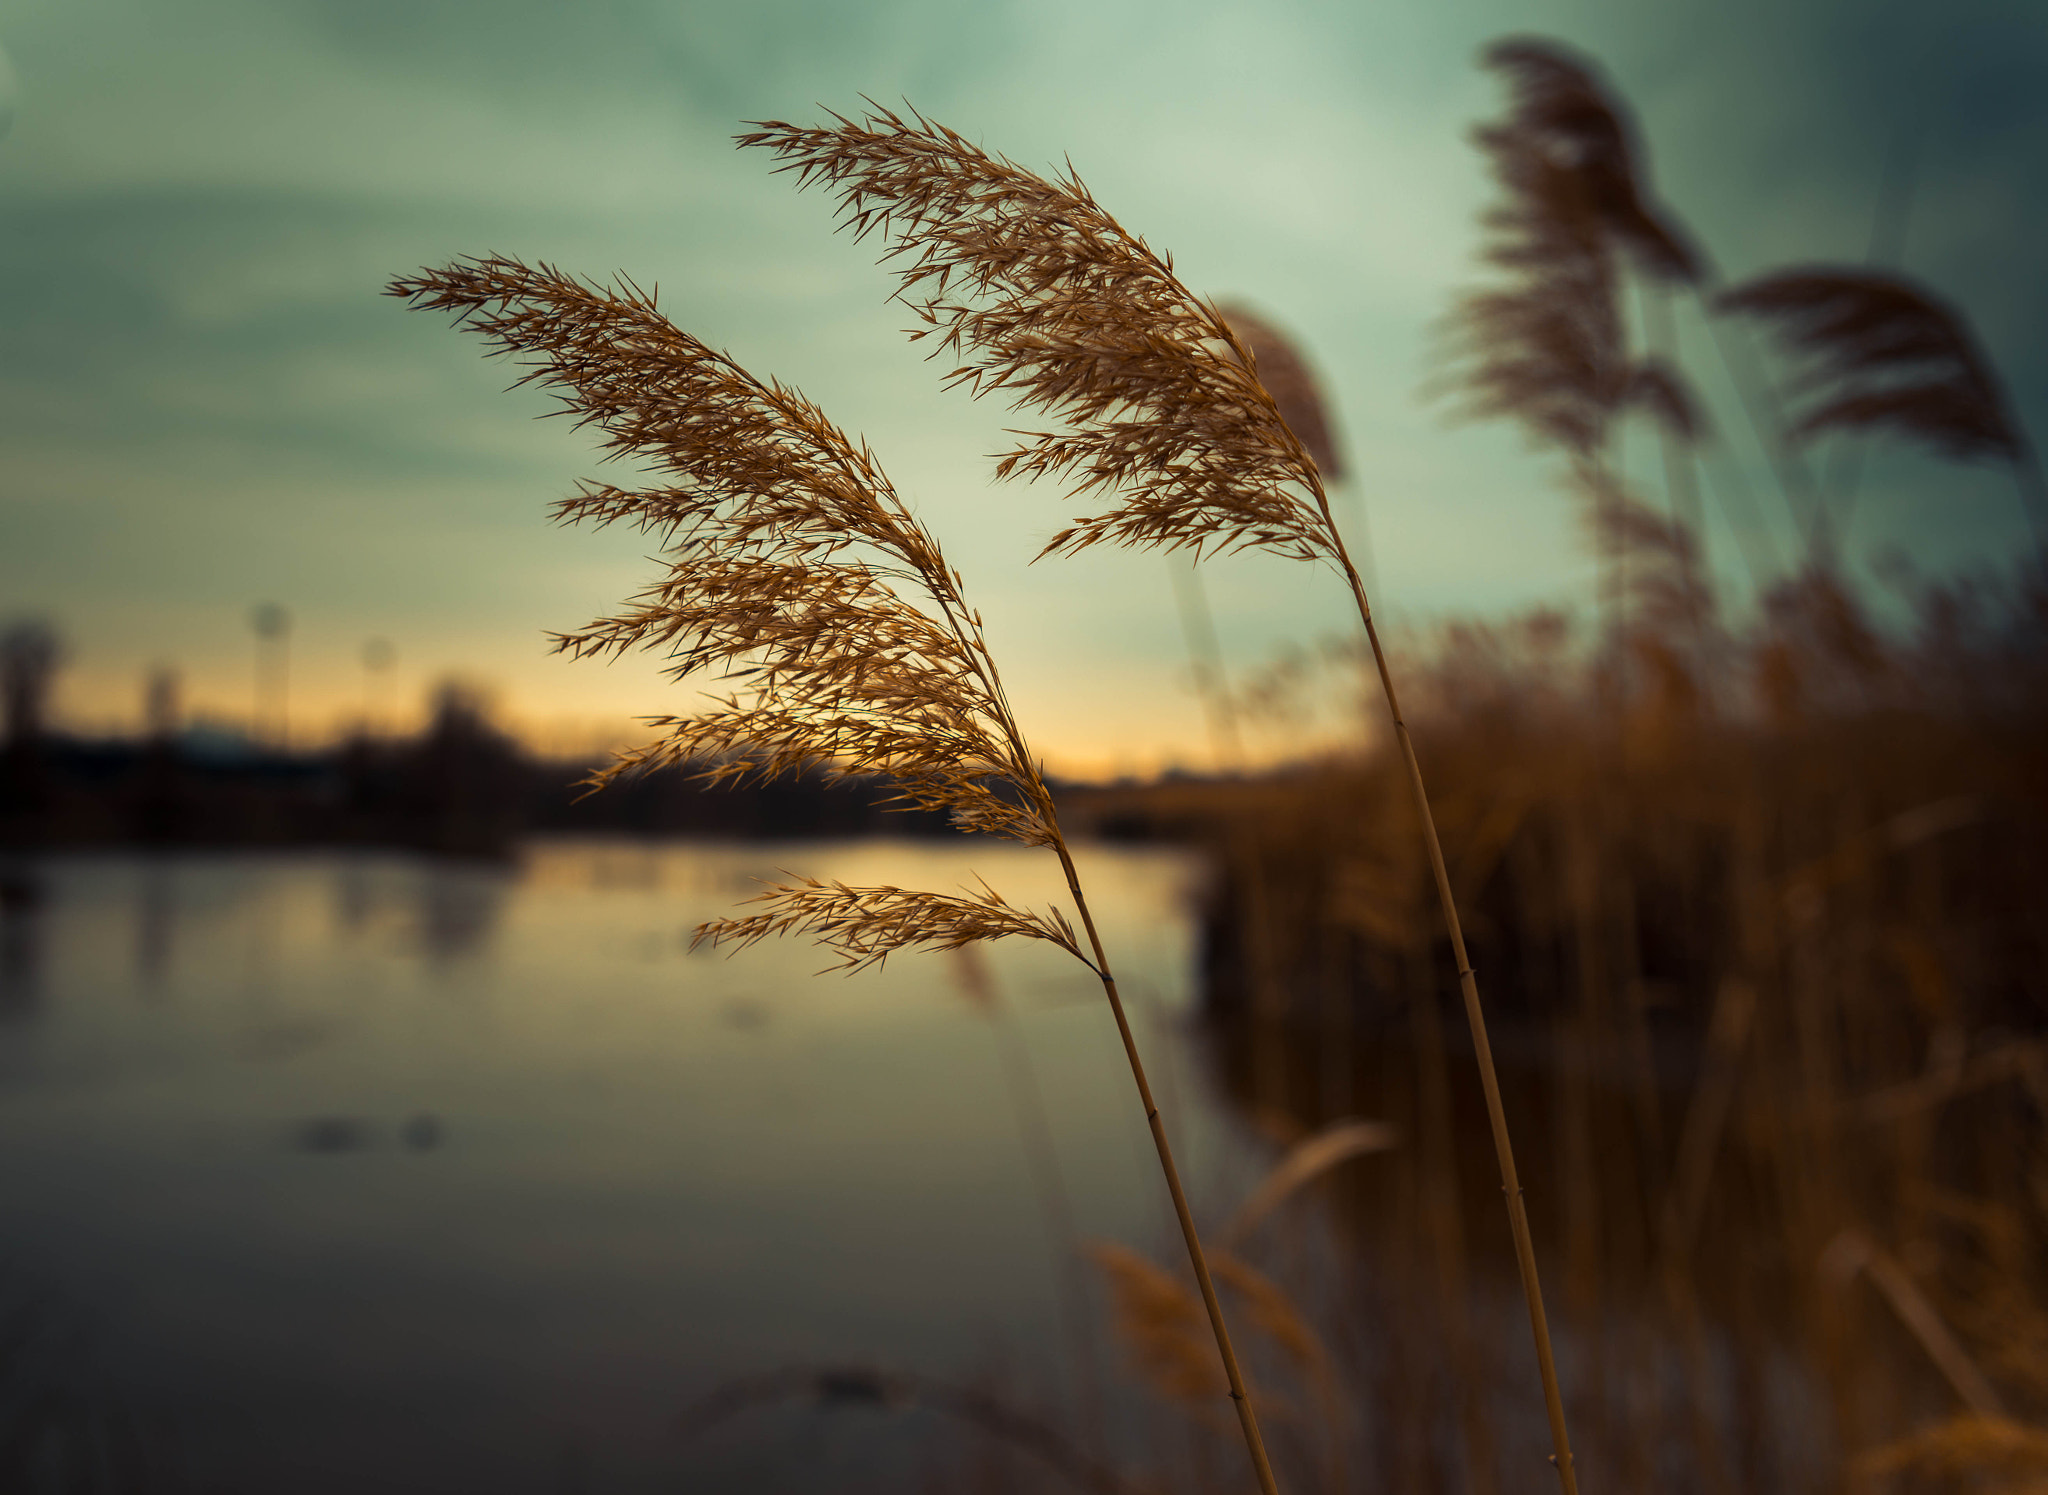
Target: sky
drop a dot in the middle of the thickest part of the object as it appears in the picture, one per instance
(206, 404)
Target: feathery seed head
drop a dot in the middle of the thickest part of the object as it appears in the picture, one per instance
(1883, 352)
(1565, 115)
(792, 568)
(866, 925)
(1547, 345)
(1036, 290)
(1285, 373)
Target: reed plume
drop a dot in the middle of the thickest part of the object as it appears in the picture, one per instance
(1880, 352)
(794, 566)
(1547, 346)
(1564, 110)
(1036, 291)
(1287, 377)
(1041, 294)
(1883, 352)
(1160, 1324)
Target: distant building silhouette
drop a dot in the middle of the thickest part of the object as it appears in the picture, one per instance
(29, 657)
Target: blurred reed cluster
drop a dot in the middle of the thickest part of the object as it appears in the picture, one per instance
(1757, 903)
(1762, 943)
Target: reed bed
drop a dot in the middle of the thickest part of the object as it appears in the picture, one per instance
(1770, 1023)
(1759, 907)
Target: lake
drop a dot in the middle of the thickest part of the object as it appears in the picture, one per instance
(335, 1171)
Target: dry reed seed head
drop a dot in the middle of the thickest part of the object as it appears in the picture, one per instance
(1562, 102)
(1882, 352)
(1163, 1327)
(1272, 1313)
(1038, 292)
(1287, 377)
(789, 559)
(1165, 1332)
(866, 925)
(1548, 346)
(2009, 1454)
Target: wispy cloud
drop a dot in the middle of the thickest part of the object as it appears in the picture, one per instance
(204, 401)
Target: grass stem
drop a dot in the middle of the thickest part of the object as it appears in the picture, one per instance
(1468, 985)
(1247, 1419)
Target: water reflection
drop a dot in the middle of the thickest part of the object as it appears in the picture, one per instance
(21, 898)
(422, 1133)
(155, 921)
(355, 897)
(529, 1175)
(459, 909)
(66, 1427)
(332, 1134)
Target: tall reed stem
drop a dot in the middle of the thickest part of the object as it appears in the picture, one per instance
(1248, 1420)
(1255, 1445)
(1795, 479)
(1468, 984)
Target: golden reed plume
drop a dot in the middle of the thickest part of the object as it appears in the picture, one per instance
(790, 560)
(1036, 291)
(792, 565)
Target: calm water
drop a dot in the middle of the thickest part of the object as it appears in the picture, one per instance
(334, 1171)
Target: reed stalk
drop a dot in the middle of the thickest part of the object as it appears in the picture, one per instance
(1440, 1205)
(1475, 1017)
(1038, 291)
(790, 559)
(1247, 1418)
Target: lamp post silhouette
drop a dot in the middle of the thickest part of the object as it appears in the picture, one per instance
(379, 655)
(273, 627)
(160, 808)
(161, 707)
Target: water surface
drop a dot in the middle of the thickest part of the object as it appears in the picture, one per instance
(341, 1171)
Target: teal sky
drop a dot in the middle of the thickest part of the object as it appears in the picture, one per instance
(207, 404)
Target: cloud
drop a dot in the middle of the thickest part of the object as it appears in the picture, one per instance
(202, 394)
